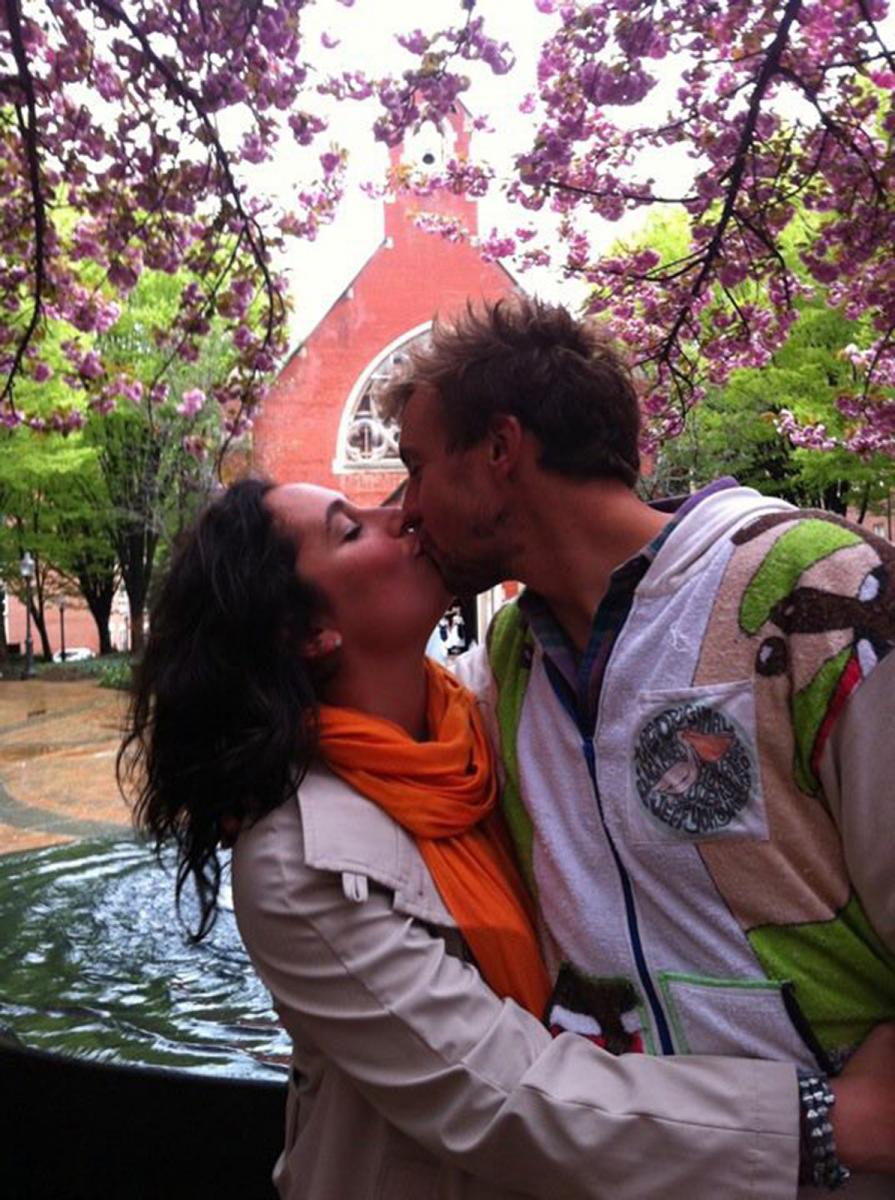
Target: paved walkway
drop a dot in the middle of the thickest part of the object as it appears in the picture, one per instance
(57, 762)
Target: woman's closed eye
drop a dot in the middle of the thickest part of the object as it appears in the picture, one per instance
(352, 532)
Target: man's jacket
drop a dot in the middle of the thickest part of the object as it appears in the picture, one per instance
(715, 863)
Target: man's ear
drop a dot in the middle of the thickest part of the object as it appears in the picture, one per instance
(505, 442)
(321, 643)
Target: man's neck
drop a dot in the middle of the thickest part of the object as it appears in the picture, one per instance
(576, 534)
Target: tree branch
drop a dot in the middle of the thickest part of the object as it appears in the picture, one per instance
(29, 137)
(646, 197)
(769, 68)
(887, 53)
(192, 102)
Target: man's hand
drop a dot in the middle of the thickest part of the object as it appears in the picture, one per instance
(864, 1114)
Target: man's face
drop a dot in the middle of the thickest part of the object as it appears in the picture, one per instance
(454, 500)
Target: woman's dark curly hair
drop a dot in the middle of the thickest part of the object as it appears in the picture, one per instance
(222, 723)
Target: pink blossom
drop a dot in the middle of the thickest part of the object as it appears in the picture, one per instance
(129, 189)
(195, 445)
(305, 126)
(237, 426)
(495, 246)
(416, 42)
(451, 229)
(330, 161)
(192, 402)
(91, 366)
(253, 148)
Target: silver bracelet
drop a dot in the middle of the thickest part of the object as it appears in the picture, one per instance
(818, 1164)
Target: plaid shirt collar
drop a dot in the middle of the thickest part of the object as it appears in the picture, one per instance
(582, 674)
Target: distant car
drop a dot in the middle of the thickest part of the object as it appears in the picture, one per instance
(74, 654)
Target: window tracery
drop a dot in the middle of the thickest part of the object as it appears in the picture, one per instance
(370, 437)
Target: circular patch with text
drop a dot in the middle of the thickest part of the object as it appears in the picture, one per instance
(693, 769)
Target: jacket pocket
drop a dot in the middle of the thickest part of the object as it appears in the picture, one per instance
(732, 1017)
(694, 768)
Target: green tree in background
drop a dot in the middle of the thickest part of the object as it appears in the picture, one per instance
(38, 482)
(151, 450)
(98, 505)
(736, 430)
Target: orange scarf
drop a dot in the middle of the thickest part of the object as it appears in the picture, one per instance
(444, 792)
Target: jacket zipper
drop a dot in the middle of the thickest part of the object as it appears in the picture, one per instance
(643, 971)
(660, 1020)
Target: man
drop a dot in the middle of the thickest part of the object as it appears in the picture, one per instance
(694, 705)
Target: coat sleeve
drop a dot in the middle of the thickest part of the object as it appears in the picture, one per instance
(478, 1081)
(856, 772)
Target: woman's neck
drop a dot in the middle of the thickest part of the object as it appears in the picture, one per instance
(396, 690)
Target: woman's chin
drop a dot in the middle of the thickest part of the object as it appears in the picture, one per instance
(445, 601)
(437, 589)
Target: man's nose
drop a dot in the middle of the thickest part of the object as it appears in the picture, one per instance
(409, 503)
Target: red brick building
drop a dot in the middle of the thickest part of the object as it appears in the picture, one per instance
(320, 423)
(71, 617)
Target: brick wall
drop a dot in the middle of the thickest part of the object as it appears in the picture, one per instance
(80, 628)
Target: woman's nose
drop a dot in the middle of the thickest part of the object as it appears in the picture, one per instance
(395, 520)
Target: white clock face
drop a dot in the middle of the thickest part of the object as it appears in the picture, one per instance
(427, 150)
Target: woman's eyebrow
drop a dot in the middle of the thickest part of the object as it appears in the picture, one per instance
(333, 510)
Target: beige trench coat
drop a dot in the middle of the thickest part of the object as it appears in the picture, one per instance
(413, 1080)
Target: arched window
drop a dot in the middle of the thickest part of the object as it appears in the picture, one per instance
(368, 440)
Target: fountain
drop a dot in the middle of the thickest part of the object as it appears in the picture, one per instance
(138, 1064)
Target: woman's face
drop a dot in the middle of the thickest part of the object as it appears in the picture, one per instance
(381, 590)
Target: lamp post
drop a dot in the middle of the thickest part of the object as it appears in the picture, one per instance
(26, 570)
(62, 627)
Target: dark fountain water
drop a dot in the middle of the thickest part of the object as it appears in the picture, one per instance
(94, 963)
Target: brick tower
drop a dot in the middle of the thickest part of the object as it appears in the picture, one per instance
(320, 423)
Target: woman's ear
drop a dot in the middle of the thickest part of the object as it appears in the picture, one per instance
(321, 644)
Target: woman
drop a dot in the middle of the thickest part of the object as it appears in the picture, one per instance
(284, 693)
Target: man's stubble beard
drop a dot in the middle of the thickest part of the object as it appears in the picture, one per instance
(466, 576)
(466, 580)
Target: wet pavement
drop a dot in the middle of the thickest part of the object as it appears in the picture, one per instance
(57, 763)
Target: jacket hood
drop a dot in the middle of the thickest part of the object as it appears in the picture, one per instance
(713, 520)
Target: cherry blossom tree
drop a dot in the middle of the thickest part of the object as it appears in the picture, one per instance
(785, 109)
(128, 131)
(131, 130)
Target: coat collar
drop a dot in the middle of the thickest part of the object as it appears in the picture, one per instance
(347, 833)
